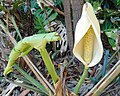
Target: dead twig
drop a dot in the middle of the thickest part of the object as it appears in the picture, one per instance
(57, 10)
(98, 88)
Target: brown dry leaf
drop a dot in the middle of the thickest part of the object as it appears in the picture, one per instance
(58, 88)
(24, 93)
(69, 93)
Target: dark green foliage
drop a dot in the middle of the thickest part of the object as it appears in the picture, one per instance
(38, 24)
(42, 17)
(107, 10)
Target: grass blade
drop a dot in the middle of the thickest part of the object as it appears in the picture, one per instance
(32, 80)
(15, 26)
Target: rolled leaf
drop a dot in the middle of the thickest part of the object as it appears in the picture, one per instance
(24, 46)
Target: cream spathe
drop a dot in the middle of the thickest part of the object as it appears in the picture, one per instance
(88, 19)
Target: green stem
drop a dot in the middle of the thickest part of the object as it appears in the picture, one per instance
(49, 64)
(77, 87)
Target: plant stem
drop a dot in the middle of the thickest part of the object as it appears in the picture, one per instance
(77, 87)
(49, 64)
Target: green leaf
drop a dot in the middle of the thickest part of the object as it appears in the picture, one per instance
(118, 2)
(21, 78)
(16, 28)
(59, 2)
(51, 18)
(28, 87)
(2, 8)
(1, 78)
(111, 35)
(38, 24)
(33, 3)
(16, 4)
(49, 11)
(112, 42)
(31, 79)
(96, 5)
